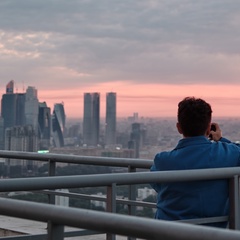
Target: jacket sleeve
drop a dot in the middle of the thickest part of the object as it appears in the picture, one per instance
(228, 141)
(155, 186)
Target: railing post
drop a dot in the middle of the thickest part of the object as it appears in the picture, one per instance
(131, 196)
(111, 205)
(52, 228)
(51, 172)
(234, 221)
(55, 231)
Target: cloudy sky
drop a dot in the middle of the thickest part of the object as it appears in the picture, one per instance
(152, 53)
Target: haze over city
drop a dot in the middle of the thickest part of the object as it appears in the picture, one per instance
(151, 53)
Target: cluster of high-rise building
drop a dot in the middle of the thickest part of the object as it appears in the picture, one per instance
(28, 125)
(25, 123)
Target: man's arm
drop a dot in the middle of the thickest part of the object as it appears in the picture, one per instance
(155, 186)
(217, 135)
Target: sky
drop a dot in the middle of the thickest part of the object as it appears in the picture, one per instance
(152, 53)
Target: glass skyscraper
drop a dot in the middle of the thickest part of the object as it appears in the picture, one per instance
(91, 119)
(44, 123)
(58, 124)
(110, 135)
(31, 108)
(12, 105)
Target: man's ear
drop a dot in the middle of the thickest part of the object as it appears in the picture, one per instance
(179, 128)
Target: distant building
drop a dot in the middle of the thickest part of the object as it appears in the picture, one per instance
(99, 203)
(62, 200)
(21, 138)
(9, 109)
(31, 107)
(1, 133)
(10, 87)
(135, 139)
(143, 193)
(44, 123)
(133, 118)
(95, 118)
(19, 109)
(58, 124)
(110, 136)
(91, 119)
(13, 108)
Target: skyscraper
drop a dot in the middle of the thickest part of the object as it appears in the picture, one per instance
(91, 119)
(44, 123)
(87, 119)
(31, 108)
(58, 124)
(19, 109)
(110, 135)
(9, 103)
(95, 118)
(135, 139)
(12, 106)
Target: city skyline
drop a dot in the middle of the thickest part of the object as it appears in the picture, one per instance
(155, 105)
(151, 53)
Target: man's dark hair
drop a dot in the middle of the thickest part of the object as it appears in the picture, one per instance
(194, 116)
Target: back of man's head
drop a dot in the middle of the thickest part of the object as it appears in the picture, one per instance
(194, 116)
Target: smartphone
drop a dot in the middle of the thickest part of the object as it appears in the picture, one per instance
(213, 128)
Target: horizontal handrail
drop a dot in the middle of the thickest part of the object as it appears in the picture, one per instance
(94, 180)
(98, 198)
(113, 223)
(66, 158)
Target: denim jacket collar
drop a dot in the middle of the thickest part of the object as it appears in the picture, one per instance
(189, 141)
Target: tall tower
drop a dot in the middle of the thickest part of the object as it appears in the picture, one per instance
(31, 108)
(44, 123)
(95, 118)
(87, 119)
(110, 118)
(91, 119)
(9, 110)
(58, 124)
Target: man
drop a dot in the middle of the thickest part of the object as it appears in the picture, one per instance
(197, 199)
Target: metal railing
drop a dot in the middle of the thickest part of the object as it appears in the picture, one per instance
(110, 223)
(112, 181)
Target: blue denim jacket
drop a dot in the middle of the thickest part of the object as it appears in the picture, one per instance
(198, 199)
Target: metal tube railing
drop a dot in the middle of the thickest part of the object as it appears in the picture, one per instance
(53, 182)
(89, 160)
(111, 223)
(28, 184)
(39, 183)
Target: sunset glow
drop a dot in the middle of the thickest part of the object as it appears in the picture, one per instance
(149, 100)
